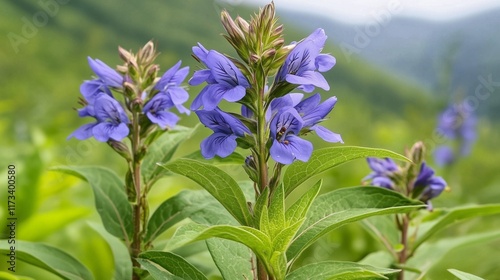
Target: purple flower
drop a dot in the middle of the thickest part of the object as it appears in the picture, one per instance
(106, 77)
(455, 123)
(224, 79)
(428, 186)
(287, 145)
(383, 171)
(443, 155)
(304, 61)
(170, 85)
(111, 121)
(226, 129)
(157, 111)
(313, 112)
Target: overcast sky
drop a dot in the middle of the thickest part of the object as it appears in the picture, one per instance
(362, 10)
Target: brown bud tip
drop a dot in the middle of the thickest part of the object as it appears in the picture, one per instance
(242, 24)
(417, 152)
(147, 53)
(124, 54)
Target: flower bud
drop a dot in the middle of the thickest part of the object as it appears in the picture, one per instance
(125, 55)
(121, 149)
(417, 152)
(251, 168)
(242, 24)
(147, 54)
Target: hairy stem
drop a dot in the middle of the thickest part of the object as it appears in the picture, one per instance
(138, 221)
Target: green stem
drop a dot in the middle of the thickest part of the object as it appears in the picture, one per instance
(261, 271)
(138, 220)
(403, 255)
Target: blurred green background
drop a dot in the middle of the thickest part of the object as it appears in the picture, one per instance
(43, 60)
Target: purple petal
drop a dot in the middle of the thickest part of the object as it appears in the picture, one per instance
(104, 131)
(218, 144)
(295, 148)
(309, 78)
(235, 94)
(325, 62)
(107, 74)
(198, 100)
(213, 96)
(200, 52)
(178, 95)
(83, 132)
(163, 118)
(199, 77)
(317, 114)
(326, 134)
(107, 108)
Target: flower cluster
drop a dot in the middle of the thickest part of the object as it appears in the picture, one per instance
(145, 96)
(417, 180)
(272, 119)
(455, 124)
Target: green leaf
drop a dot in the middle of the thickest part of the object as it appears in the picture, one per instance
(298, 210)
(233, 259)
(174, 210)
(252, 238)
(43, 224)
(9, 276)
(174, 264)
(331, 270)
(218, 183)
(326, 158)
(464, 275)
(380, 259)
(258, 209)
(342, 206)
(276, 211)
(232, 159)
(451, 216)
(49, 258)
(161, 151)
(121, 257)
(110, 198)
(156, 272)
(429, 254)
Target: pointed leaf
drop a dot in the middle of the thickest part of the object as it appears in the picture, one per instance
(464, 275)
(326, 158)
(233, 259)
(454, 215)
(161, 151)
(342, 206)
(331, 270)
(429, 254)
(299, 209)
(252, 238)
(121, 257)
(277, 211)
(174, 210)
(49, 258)
(174, 264)
(110, 199)
(232, 159)
(156, 272)
(218, 183)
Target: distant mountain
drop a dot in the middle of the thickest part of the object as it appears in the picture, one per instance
(445, 57)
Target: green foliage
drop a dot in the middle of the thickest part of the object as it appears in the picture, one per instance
(161, 151)
(218, 183)
(48, 258)
(110, 198)
(464, 275)
(337, 208)
(326, 158)
(122, 262)
(447, 217)
(172, 263)
(174, 210)
(335, 270)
